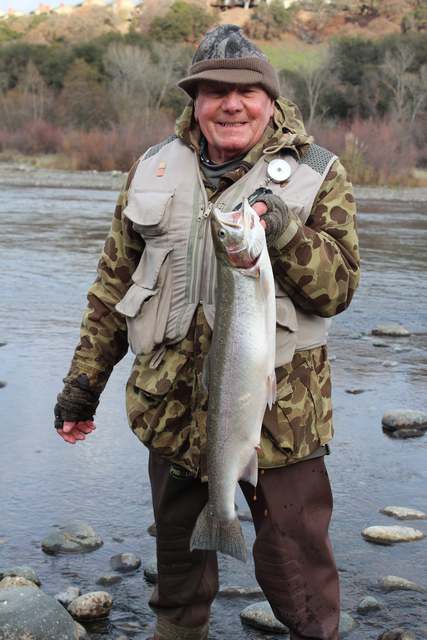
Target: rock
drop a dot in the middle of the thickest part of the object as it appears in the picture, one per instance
(368, 603)
(117, 539)
(91, 606)
(12, 581)
(66, 597)
(3, 344)
(27, 612)
(2, 384)
(403, 434)
(245, 516)
(399, 349)
(152, 530)
(380, 343)
(395, 583)
(355, 392)
(260, 616)
(390, 363)
(347, 624)
(404, 513)
(82, 634)
(125, 562)
(332, 358)
(396, 634)
(391, 534)
(109, 579)
(21, 571)
(150, 572)
(75, 536)
(404, 419)
(240, 592)
(393, 329)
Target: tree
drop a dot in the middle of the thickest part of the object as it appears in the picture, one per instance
(183, 22)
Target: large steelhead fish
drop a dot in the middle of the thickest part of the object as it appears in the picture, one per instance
(240, 373)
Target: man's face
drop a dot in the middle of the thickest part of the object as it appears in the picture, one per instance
(231, 117)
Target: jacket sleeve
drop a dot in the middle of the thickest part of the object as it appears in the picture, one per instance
(103, 333)
(318, 263)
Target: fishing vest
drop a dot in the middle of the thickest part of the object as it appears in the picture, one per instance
(169, 207)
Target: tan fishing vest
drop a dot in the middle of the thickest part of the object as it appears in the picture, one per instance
(169, 207)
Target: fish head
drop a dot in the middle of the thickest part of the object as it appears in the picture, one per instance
(238, 236)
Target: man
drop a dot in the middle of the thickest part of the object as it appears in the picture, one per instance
(155, 289)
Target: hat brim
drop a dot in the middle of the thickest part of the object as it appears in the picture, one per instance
(227, 76)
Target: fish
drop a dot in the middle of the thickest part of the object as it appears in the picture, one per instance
(239, 373)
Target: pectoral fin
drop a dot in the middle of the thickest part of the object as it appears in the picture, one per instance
(250, 472)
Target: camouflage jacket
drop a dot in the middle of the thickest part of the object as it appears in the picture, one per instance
(319, 270)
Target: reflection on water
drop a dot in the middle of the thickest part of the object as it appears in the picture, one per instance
(50, 242)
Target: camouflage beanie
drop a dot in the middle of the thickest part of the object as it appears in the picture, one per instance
(225, 55)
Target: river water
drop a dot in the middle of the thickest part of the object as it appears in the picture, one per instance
(50, 241)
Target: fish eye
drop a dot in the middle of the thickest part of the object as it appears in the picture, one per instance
(221, 234)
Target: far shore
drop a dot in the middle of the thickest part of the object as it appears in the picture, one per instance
(27, 175)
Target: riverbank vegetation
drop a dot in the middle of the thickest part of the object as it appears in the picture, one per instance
(99, 103)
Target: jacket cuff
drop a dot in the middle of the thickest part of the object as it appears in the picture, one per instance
(288, 235)
(166, 630)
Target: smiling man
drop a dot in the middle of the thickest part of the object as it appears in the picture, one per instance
(155, 291)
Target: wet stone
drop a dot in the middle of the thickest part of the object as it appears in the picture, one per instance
(108, 579)
(245, 516)
(396, 634)
(404, 513)
(404, 434)
(355, 392)
(27, 612)
(150, 572)
(347, 624)
(380, 344)
(391, 534)
(21, 571)
(66, 597)
(391, 329)
(82, 634)
(152, 530)
(395, 583)
(2, 384)
(91, 606)
(125, 562)
(390, 363)
(117, 539)
(404, 419)
(368, 603)
(239, 592)
(261, 616)
(74, 536)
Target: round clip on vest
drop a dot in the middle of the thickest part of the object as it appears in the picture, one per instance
(278, 170)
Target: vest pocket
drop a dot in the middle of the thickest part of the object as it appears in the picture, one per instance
(146, 303)
(149, 211)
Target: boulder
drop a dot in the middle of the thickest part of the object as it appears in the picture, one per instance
(392, 534)
(152, 530)
(66, 597)
(395, 583)
(91, 606)
(404, 513)
(21, 571)
(125, 562)
(150, 572)
(368, 603)
(261, 616)
(74, 536)
(27, 612)
(392, 329)
(396, 634)
(347, 624)
(404, 419)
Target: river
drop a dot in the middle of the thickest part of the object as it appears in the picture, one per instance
(51, 237)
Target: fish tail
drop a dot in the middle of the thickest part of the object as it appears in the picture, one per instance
(227, 537)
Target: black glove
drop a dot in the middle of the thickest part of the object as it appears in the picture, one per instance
(276, 218)
(76, 402)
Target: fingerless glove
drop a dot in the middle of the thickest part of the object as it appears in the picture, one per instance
(276, 218)
(76, 402)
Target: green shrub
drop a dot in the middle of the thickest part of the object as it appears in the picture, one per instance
(182, 22)
(269, 21)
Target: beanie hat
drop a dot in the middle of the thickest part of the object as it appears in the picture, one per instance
(225, 55)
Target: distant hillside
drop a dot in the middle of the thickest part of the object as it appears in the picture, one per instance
(310, 22)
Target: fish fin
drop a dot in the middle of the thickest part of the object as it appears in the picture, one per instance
(271, 389)
(227, 537)
(250, 472)
(252, 272)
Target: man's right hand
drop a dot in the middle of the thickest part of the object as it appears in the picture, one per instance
(71, 432)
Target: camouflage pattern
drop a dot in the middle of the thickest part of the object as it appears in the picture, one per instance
(319, 269)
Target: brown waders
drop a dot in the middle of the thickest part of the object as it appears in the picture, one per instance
(294, 564)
